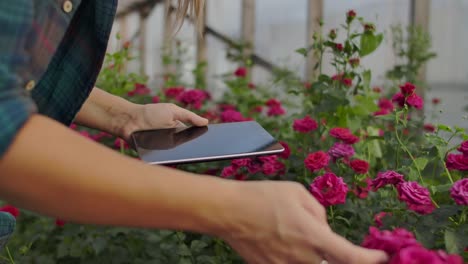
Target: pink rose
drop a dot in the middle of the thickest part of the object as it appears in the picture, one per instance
(341, 150)
(241, 72)
(155, 99)
(415, 101)
(229, 171)
(193, 98)
(459, 192)
(348, 82)
(119, 143)
(381, 112)
(339, 46)
(457, 162)
(359, 166)
(287, 151)
(254, 167)
(378, 218)
(271, 165)
(140, 89)
(429, 128)
(384, 103)
(305, 125)
(407, 89)
(239, 163)
(329, 189)
(464, 148)
(229, 116)
(363, 191)
(276, 111)
(317, 161)
(417, 198)
(385, 178)
(344, 134)
(389, 241)
(400, 99)
(416, 255)
(449, 259)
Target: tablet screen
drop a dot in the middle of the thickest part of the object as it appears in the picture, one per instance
(199, 144)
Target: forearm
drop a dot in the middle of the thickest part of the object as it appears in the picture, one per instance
(106, 112)
(56, 172)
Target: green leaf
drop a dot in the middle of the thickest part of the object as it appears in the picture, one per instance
(413, 175)
(198, 245)
(444, 128)
(452, 242)
(441, 188)
(367, 76)
(369, 43)
(421, 163)
(303, 51)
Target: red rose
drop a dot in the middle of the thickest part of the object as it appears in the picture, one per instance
(457, 162)
(59, 222)
(119, 143)
(381, 112)
(317, 161)
(271, 165)
(155, 99)
(11, 210)
(276, 111)
(354, 62)
(230, 116)
(339, 46)
(305, 125)
(332, 34)
(429, 128)
(407, 89)
(329, 189)
(348, 82)
(359, 166)
(464, 148)
(389, 241)
(140, 89)
(386, 178)
(350, 15)
(173, 92)
(343, 134)
(377, 89)
(417, 197)
(241, 72)
(287, 151)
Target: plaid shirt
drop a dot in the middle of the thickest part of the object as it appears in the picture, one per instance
(51, 52)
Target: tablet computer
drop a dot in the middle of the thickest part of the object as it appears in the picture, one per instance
(201, 144)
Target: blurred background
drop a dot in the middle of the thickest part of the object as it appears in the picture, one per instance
(276, 28)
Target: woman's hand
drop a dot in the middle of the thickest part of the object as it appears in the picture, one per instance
(162, 115)
(282, 223)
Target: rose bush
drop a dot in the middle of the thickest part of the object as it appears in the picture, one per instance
(360, 150)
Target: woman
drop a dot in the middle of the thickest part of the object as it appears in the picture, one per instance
(50, 54)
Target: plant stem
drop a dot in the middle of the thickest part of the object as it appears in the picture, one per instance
(9, 255)
(407, 150)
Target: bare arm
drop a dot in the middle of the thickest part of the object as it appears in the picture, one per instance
(56, 172)
(52, 170)
(120, 117)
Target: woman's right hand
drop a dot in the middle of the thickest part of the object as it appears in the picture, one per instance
(278, 222)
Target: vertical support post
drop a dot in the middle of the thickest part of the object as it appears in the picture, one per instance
(314, 15)
(168, 24)
(248, 27)
(144, 13)
(201, 40)
(420, 10)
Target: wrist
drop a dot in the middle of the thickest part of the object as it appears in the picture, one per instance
(124, 119)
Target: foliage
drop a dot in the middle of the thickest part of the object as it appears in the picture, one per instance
(334, 124)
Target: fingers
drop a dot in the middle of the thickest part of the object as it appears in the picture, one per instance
(339, 250)
(186, 116)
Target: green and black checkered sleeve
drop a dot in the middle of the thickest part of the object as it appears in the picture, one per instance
(16, 105)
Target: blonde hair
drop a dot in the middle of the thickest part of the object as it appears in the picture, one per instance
(193, 8)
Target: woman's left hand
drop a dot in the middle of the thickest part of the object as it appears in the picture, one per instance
(161, 115)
